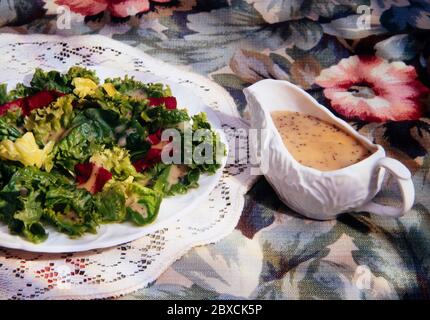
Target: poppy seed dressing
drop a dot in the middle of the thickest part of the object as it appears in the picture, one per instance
(318, 144)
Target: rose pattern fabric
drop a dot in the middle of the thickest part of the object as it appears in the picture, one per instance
(118, 8)
(371, 89)
(376, 76)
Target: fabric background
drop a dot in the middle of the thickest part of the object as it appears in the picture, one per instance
(274, 253)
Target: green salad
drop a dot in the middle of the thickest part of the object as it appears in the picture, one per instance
(76, 152)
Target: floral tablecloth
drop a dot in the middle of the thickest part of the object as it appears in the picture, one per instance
(368, 61)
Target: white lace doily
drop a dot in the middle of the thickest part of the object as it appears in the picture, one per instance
(129, 267)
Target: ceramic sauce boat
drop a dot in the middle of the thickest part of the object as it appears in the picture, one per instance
(318, 194)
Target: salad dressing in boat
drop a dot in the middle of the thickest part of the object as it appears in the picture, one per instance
(316, 143)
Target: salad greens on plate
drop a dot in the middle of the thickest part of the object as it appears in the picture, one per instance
(76, 152)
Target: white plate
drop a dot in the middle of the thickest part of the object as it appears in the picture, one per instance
(171, 208)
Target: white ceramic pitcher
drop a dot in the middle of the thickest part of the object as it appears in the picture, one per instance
(319, 194)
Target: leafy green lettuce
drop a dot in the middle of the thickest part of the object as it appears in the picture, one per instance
(132, 135)
(132, 87)
(7, 170)
(80, 72)
(4, 96)
(211, 140)
(54, 80)
(110, 203)
(188, 181)
(142, 204)
(33, 197)
(128, 201)
(70, 210)
(160, 117)
(21, 201)
(51, 122)
(26, 221)
(51, 80)
(126, 106)
(89, 131)
(10, 124)
(116, 160)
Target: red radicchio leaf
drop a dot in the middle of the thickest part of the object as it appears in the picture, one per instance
(84, 171)
(169, 102)
(154, 138)
(152, 157)
(41, 99)
(18, 103)
(27, 104)
(103, 176)
(140, 165)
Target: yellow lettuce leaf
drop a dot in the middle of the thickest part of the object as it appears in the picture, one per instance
(83, 87)
(26, 151)
(110, 89)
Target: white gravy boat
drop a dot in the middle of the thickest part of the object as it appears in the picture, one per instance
(319, 194)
